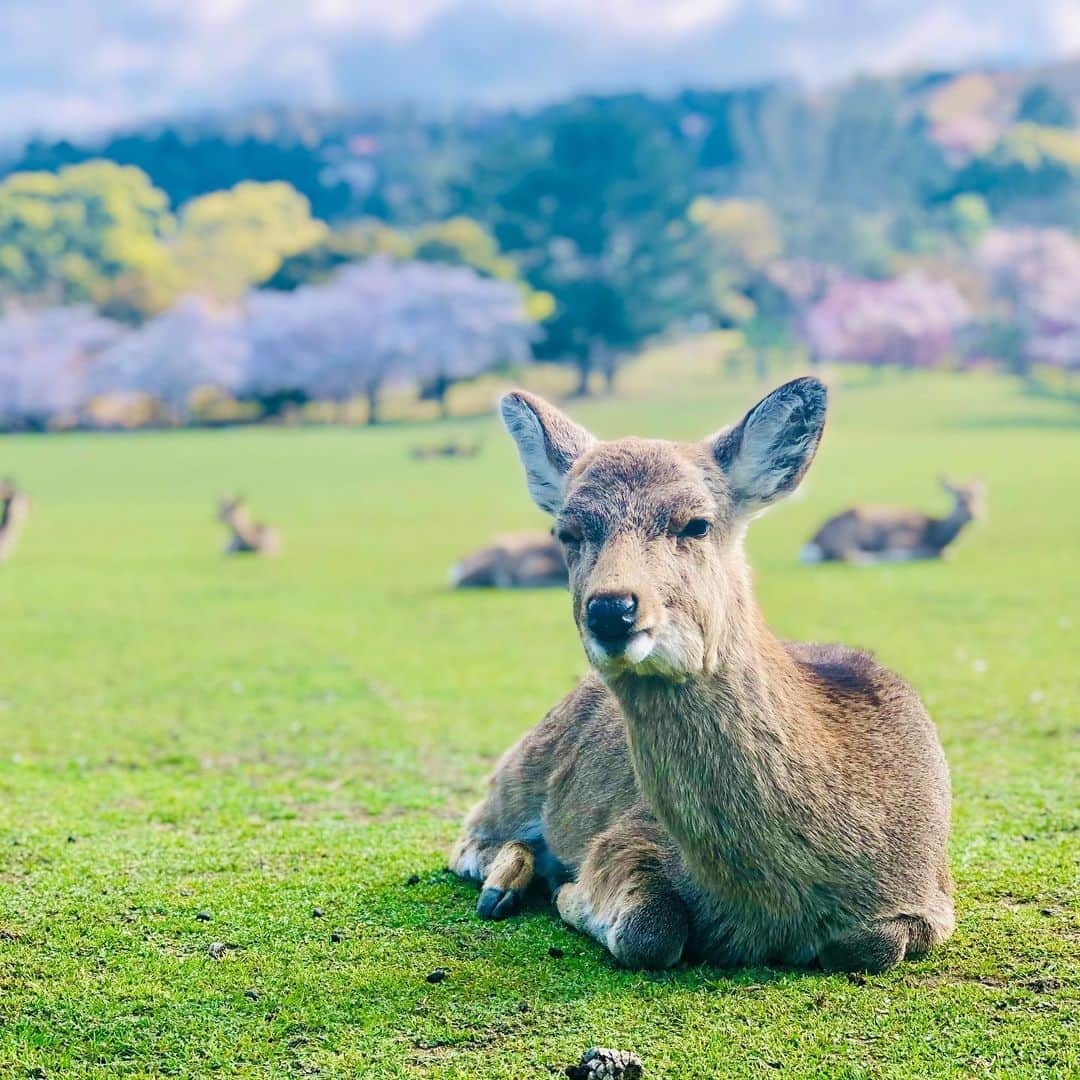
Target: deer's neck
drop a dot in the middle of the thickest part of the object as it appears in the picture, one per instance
(943, 531)
(243, 527)
(728, 760)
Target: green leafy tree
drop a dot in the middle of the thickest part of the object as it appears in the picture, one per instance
(228, 241)
(1042, 104)
(69, 236)
(593, 208)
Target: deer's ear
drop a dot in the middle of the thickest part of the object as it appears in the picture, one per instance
(767, 453)
(548, 443)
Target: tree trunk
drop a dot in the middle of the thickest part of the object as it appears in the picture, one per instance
(372, 395)
(608, 364)
(584, 366)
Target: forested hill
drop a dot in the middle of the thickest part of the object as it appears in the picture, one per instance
(900, 145)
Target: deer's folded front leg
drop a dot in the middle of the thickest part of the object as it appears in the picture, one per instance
(623, 898)
(507, 880)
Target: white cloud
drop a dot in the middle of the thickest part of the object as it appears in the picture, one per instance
(71, 67)
(1064, 21)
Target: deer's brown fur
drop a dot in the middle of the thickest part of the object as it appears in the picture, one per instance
(867, 534)
(514, 561)
(709, 791)
(14, 510)
(246, 536)
(445, 450)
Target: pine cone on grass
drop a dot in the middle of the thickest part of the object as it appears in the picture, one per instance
(603, 1064)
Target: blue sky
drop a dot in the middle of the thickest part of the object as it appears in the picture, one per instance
(75, 67)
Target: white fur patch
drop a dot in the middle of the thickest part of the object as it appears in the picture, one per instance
(639, 648)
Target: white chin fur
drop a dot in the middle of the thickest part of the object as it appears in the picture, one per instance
(637, 650)
(645, 654)
(640, 647)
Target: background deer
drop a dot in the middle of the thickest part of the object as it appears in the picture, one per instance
(515, 561)
(709, 791)
(14, 510)
(445, 450)
(867, 534)
(246, 536)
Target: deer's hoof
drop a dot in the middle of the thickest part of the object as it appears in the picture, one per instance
(496, 904)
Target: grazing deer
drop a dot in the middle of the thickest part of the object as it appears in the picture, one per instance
(514, 561)
(869, 534)
(247, 536)
(14, 510)
(709, 791)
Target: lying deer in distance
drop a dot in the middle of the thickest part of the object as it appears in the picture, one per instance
(246, 536)
(515, 561)
(14, 510)
(709, 792)
(871, 534)
(445, 450)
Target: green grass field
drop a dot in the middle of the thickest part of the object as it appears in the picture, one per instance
(184, 736)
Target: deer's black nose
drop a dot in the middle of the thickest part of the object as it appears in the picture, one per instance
(610, 618)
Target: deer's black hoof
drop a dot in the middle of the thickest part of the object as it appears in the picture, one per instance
(496, 903)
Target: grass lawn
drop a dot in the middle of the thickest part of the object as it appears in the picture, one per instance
(197, 750)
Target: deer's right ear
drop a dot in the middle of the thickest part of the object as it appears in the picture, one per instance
(548, 442)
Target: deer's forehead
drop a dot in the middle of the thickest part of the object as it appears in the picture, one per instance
(641, 479)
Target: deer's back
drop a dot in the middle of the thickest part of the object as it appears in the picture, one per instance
(888, 759)
(873, 529)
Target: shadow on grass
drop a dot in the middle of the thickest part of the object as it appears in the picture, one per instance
(553, 941)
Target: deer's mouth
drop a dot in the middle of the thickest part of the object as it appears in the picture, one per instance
(630, 651)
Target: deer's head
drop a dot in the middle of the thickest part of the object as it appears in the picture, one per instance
(969, 497)
(230, 508)
(652, 530)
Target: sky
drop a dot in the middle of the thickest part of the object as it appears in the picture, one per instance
(73, 67)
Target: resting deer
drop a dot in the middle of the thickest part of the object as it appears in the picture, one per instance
(14, 510)
(514, 561)
(869, 534)
(247, 536)
(709, 792)
(445, 450)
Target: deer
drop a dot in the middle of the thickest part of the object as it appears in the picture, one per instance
(445, 450)
(872, 534)
(246, 536)
(528, 560)
(708, 792)
(14, 510)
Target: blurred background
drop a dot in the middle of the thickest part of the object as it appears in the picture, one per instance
(241, 211)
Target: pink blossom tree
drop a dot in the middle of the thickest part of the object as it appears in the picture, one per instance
(377, 323)
(45, 359)
(1035, 275)
(910, 321)
(196, 344)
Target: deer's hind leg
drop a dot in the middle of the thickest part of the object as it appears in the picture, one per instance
(882, 944)
(624, 899)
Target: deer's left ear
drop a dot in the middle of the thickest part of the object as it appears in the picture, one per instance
(767, 453)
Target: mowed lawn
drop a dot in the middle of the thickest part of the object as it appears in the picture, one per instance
(275, 755)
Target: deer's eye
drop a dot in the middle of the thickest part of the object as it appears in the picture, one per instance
(695, 529)
(569, 537)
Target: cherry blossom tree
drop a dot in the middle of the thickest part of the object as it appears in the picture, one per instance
(1035, 275)
(193, 345)
(45, 357)
(910, 321)
(377, 323)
